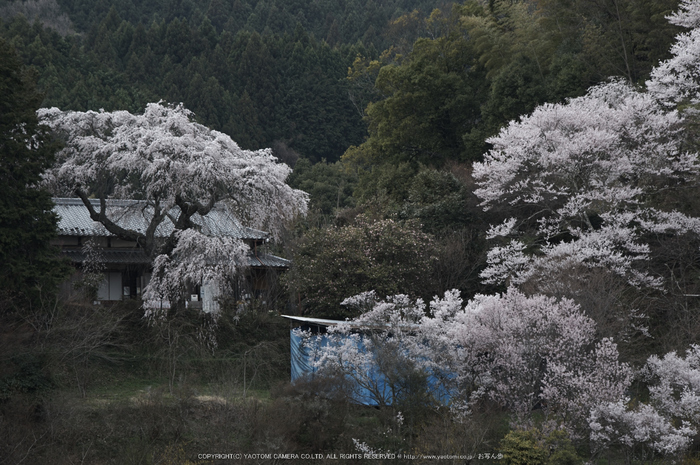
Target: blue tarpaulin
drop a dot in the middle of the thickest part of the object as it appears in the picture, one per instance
(302, 358)
(305, 352)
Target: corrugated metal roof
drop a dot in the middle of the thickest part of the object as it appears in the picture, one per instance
(74, 220)
(139, 257)
(313, 321)
(269, 261)
(353, 325)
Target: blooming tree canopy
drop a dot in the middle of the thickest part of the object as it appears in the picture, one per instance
(177, 169)
(579, 175)
(677, 80)
(525, 353)
(668, 422)
(520, 352)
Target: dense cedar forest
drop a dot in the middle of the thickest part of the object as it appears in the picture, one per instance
(269, 72)
(532, 161)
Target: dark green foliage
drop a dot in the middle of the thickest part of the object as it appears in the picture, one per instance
(515, 90)
(432, 99)
(389, 183)
(31, 267)
(334, 263)
(625, 37)
(442, 203)
(522, 448)
(531, 447)
(257, 88)
(27, 373)
(439, 201)
(344, 22)
(316, 94)
(328, 185)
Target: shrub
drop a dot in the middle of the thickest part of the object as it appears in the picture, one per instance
(531, 447)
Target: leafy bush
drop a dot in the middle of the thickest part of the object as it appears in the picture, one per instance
(531, 447)
(387, 256)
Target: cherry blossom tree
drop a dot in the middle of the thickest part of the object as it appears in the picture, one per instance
(674, 383)
(668, 422)
(520, 352)
(677, 80)
(578, 176)
(615, 424)
(178, 170)
(581, 173)
(526, 354)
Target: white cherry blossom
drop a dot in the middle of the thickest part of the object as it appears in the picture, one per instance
(177, 169)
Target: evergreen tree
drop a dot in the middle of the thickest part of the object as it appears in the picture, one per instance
(30, 265)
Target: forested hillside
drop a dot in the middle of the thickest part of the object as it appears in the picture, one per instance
(336, 22)
(262, 72)
(503, 194)
(271, 72)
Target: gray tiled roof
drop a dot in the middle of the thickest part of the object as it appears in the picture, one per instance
(74, 220)
(138, 256)
(110, 256)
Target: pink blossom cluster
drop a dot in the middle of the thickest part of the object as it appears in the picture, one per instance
(175, 167)
(677, 80)
(577, 175)
(582, 170)
(196, 259)
(669, 421)
(524, 353)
